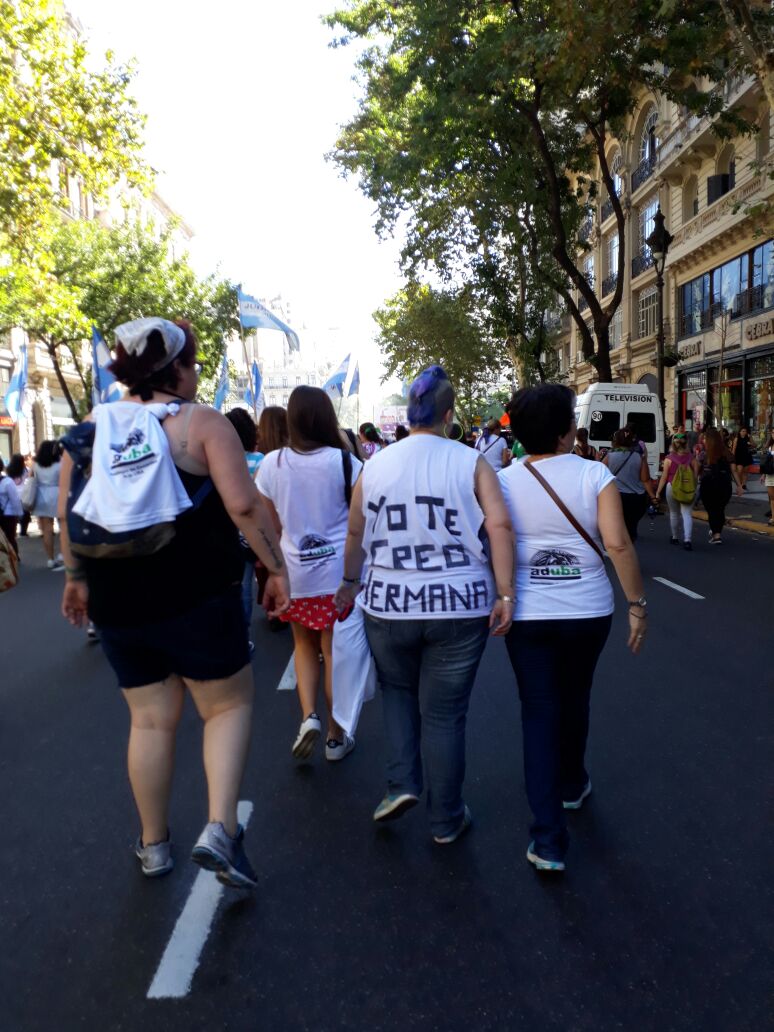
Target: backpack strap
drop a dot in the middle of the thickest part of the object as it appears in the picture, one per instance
(558, 501)
(346, 462)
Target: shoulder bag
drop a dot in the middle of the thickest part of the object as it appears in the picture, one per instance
(560, 504)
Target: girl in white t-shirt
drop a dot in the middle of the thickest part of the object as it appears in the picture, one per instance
(564, 604)
(308, 489)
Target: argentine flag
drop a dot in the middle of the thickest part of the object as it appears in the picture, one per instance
(335, 385)
(14, 396)
(222, 388)
(253, 392)
(354, 386)
(104, 386)
(255, 316)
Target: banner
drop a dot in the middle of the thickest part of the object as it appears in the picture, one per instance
(255, 316)
(14, 396)
(221, 390)
(334, 386)
(104, 386)
(354, 387)
(253, 392)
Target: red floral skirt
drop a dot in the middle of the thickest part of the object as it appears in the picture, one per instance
(318, 614)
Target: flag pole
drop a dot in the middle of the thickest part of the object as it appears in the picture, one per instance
(244, 352)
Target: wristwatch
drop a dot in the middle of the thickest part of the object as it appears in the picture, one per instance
(642, 602)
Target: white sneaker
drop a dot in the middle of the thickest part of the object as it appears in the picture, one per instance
(55, 564)
(308, 734)
(335, 750)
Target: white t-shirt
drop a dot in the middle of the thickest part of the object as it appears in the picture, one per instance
(492, 450)
(307, 489)
(424, 557)
(558, 575)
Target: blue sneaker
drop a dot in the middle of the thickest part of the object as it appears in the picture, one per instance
(576, 804)
(541, 863)
(155, 858)
(394, 805)
(217, 851)
(445, 840)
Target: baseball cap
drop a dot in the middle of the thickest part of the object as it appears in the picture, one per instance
(134, 336)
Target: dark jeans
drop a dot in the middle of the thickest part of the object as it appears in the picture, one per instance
(634, 506)
(554, 662)
(426, 670)
(714, 498)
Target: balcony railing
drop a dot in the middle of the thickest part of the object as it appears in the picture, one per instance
(644, 170)
(585, 230)
(750, 300)
(607, 210)
(608, 283)
(641, 262)
(697, 322)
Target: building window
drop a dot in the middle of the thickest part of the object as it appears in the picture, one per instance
(647, 312)
(645, 216)
(725, 178)
(284, 381)
(743, 285)
(298, 381)
(648, 139)
(616, 328)
(616, 170)
(690, 198)
(588, 269)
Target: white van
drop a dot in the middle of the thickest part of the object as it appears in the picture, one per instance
(607, 407)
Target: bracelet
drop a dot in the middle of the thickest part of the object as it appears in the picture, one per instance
(506, 598)
(351, 580)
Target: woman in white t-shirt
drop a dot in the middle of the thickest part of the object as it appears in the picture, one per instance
(308, 488)
(564, 604)
(493, 447)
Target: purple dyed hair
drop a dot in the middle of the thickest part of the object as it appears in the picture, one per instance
(431, 396)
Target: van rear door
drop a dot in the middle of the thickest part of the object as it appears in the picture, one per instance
(605, 417)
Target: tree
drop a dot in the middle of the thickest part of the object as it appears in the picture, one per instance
(751, 26)
(58, 117)
(421, 326)
(106, 276)
(482, 122)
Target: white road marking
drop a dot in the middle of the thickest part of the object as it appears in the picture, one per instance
(287, 682)
(181, 957)
(678, 587)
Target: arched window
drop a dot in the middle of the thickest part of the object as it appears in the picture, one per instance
(725, 175)
(616, 170)
(648, 140)
(690, 198)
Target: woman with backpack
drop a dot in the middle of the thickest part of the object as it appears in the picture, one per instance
(307, 488)
(632, 478)
(715, 484)
(170, 615)
(680, 476)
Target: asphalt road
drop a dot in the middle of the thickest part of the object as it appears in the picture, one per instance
(661, 922)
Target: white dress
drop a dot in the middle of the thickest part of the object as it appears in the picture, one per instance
(47, 493)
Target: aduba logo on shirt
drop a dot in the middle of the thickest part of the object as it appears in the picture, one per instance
(133, 455)
(550, 565)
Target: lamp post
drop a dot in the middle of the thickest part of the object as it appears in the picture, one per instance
(658, 242)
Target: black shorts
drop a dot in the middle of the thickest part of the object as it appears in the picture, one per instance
(207, 643)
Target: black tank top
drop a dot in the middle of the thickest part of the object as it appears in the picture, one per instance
(202, 560)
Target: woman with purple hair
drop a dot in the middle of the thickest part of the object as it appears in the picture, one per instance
(429, 596)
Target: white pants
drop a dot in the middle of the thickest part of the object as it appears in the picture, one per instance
(678, 512)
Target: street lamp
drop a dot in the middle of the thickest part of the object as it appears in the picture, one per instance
(658, 242)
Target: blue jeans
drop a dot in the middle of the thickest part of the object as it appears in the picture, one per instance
(554, 663)
(426, 671)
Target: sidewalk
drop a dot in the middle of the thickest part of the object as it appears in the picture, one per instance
(748, 512)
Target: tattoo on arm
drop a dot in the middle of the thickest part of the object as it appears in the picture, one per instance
(277, 559)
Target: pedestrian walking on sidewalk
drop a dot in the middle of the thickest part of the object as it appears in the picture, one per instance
(715, 485)
(564, 510)
(492, 446)
(629, 466)
(429, 598)
(11, 508)
(681, 463)
(743, 455)
(307, 488)
(247, 432)
(767, 479)
(170, 618)
(46, 469)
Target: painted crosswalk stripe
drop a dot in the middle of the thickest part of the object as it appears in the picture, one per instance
(678, 587)
(287, 682)
(181, 957)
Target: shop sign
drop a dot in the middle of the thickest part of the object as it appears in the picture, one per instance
(6, 421)
(690, 350)
(760, 328)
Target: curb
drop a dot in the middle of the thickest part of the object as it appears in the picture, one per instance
(749, 525)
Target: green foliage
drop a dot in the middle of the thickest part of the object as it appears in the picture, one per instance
(421, 326)
(55, 109)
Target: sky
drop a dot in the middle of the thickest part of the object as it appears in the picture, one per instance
(244, 98)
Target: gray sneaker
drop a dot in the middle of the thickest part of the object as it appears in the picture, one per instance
(156, 857)
(217, 851)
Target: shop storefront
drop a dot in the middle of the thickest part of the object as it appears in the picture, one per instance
(6, 435)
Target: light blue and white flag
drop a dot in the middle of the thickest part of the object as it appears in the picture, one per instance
(222, 388)
(14, 396)
(354, 386)
(253, 392)
(104, 386)
(255, 316)
(334, 386)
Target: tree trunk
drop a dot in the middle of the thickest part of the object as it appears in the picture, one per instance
(51, 348)
(602, 362)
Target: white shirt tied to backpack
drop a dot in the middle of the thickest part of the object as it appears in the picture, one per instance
(133, 482)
